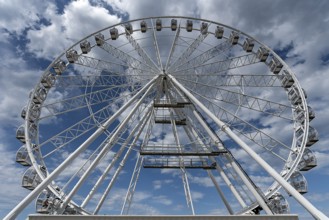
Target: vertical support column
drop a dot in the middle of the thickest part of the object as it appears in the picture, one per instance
(29, 198)
(116, 157)
(103, 152)
(191, 131)
(137, 169)
(218, 168)
(304, 202)
(121, 165)
(132, 186)
(260, 199)
(220, 192)
(184, 174)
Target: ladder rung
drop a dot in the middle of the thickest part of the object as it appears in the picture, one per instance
(206, 167)
(175, 153)
(177, 122)
(168, 105)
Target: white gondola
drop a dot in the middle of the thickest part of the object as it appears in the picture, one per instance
(35, 111)
(33, 130)
(308, 160)
(31, 179)
(23, 112)
(143, 26)
(275, 65)
(99, 38)
(44, 202)
(248, 45)
(294, 95)
(72, 55)
(22, 156)
(279, 204)
(85, 47)
(204, 28)
(173, 24)
(59, 67)
(114, 33)
(298, 181)
(300, 114)
(40, 95)
(262, 54)
(189, 25)
(128, 29)
(287, 81)
(311, 113)
(48, 80)
(47, 202)
(234, 37)
(219, 32)
(158, 25)
(313, 136)
(20, 133)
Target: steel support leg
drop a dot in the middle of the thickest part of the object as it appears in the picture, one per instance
(117, 172)
(116, 157)
(29, 198)
(290, 189)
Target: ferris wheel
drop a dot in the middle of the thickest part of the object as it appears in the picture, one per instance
(166, 93)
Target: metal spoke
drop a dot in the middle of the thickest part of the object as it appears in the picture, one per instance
(182, 58)
(206, 56)
(142, 53)
(202, 94)
(97, 80)
(234, 80)
(219, 66)
(246, 129)
(133, 63)
(110, 93)
(173, 47)
(240, 99)
(155, 41)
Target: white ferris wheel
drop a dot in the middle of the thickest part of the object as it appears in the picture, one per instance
(166, 93)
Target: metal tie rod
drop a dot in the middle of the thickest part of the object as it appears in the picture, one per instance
(317, 214)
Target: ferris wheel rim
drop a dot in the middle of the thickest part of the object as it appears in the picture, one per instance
(304, 103)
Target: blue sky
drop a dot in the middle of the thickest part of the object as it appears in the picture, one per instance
(35, 32)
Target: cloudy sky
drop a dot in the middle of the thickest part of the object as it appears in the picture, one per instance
(35, 32)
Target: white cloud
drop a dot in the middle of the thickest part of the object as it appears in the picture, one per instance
(11, 175)
(162, 200)
(48, 41)
(16, 16)
(278, 24)
(196, 196)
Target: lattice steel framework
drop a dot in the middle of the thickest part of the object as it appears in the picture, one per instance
(226, 99)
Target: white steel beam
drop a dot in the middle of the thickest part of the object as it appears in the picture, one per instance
(191, 131)
(184, 174)
(260, 199)
(220, 66)
(290, 189)
(220, 192)
(133, 182)
(132, 185)
(207, 55)
(142, 53)
(156, 46)
(116, 157)
(130, 60)
(121, 165)
(183, 57)
(103, 152)
(29, 198)
(220, 170)
(173, 46)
